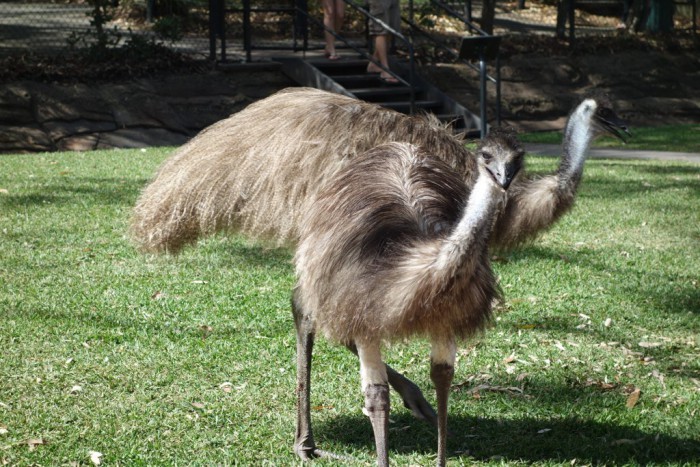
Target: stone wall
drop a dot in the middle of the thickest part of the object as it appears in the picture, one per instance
(160, 111)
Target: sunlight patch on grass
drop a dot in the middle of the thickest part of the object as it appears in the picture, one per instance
(677, 138)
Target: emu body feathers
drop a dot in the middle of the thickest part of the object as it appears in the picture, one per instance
(255, 171)
(394, 246)
(372, 241)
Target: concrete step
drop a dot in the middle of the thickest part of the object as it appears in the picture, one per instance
(383, 93)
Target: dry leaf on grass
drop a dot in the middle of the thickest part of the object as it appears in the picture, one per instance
(649, 345)
(226, 387)
(96, 457)
(3, 191)
(619, 442)
(158, 295)
(660, 377)
(206, 330)
(76, 389)
(3, 430)
(633, 398)
(605, 385)
(322, 407)
(34, 442)
(513, 391)
(198, 405)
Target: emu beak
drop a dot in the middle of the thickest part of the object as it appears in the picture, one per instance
(608, 121)
(500, 176)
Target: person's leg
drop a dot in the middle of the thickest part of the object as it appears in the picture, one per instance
(386, 11)
(329, 21)
(339, 15)
(381, 54)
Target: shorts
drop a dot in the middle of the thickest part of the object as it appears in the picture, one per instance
(387, 11)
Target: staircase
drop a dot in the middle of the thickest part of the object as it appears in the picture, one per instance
(348, 76)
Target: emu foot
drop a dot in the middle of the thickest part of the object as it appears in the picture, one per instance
(307, 450)
(414, 401)
(412, 396)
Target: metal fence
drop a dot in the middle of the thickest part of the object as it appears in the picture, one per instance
(52, 27)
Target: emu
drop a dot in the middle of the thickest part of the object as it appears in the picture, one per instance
(256, 171)
(260, 170)
(396, 245)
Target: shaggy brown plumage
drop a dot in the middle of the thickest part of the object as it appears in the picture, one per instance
(396, 245)
(369, 241)
(255, 171)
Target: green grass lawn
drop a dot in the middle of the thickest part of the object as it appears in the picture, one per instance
(190, 360)
(679, 138)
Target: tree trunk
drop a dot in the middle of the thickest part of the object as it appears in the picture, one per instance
(562, 17)
(660, 16)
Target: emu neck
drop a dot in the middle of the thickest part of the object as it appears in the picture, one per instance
(474, 226)
(577, 140)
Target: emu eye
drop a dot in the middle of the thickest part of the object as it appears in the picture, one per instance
(486, 156)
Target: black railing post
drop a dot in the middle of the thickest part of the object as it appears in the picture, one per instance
(301, 24)
(482, 94)
(498, 90)
(217, 27)
(212, 31)
(247, 35)
(572, 22)
(483, 48)
(150, 6)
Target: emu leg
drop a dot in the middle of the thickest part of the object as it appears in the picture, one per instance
(376, 389)
(304, 445)
(441, 373)
(411, 394)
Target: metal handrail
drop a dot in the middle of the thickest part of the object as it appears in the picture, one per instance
(455, 14)
(411, 53)
(472, 27)
(392, 31)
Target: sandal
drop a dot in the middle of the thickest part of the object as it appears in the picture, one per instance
(390, 80)
(331, 56)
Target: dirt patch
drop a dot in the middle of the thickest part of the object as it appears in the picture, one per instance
(648, 88)
(652, 81)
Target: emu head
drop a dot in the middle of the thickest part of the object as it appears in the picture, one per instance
(597, 108)
(500, 154)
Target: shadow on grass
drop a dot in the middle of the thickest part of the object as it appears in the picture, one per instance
(98, 190)
(253, 255)
(524, 439)
(651, 289)
(665, 293)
